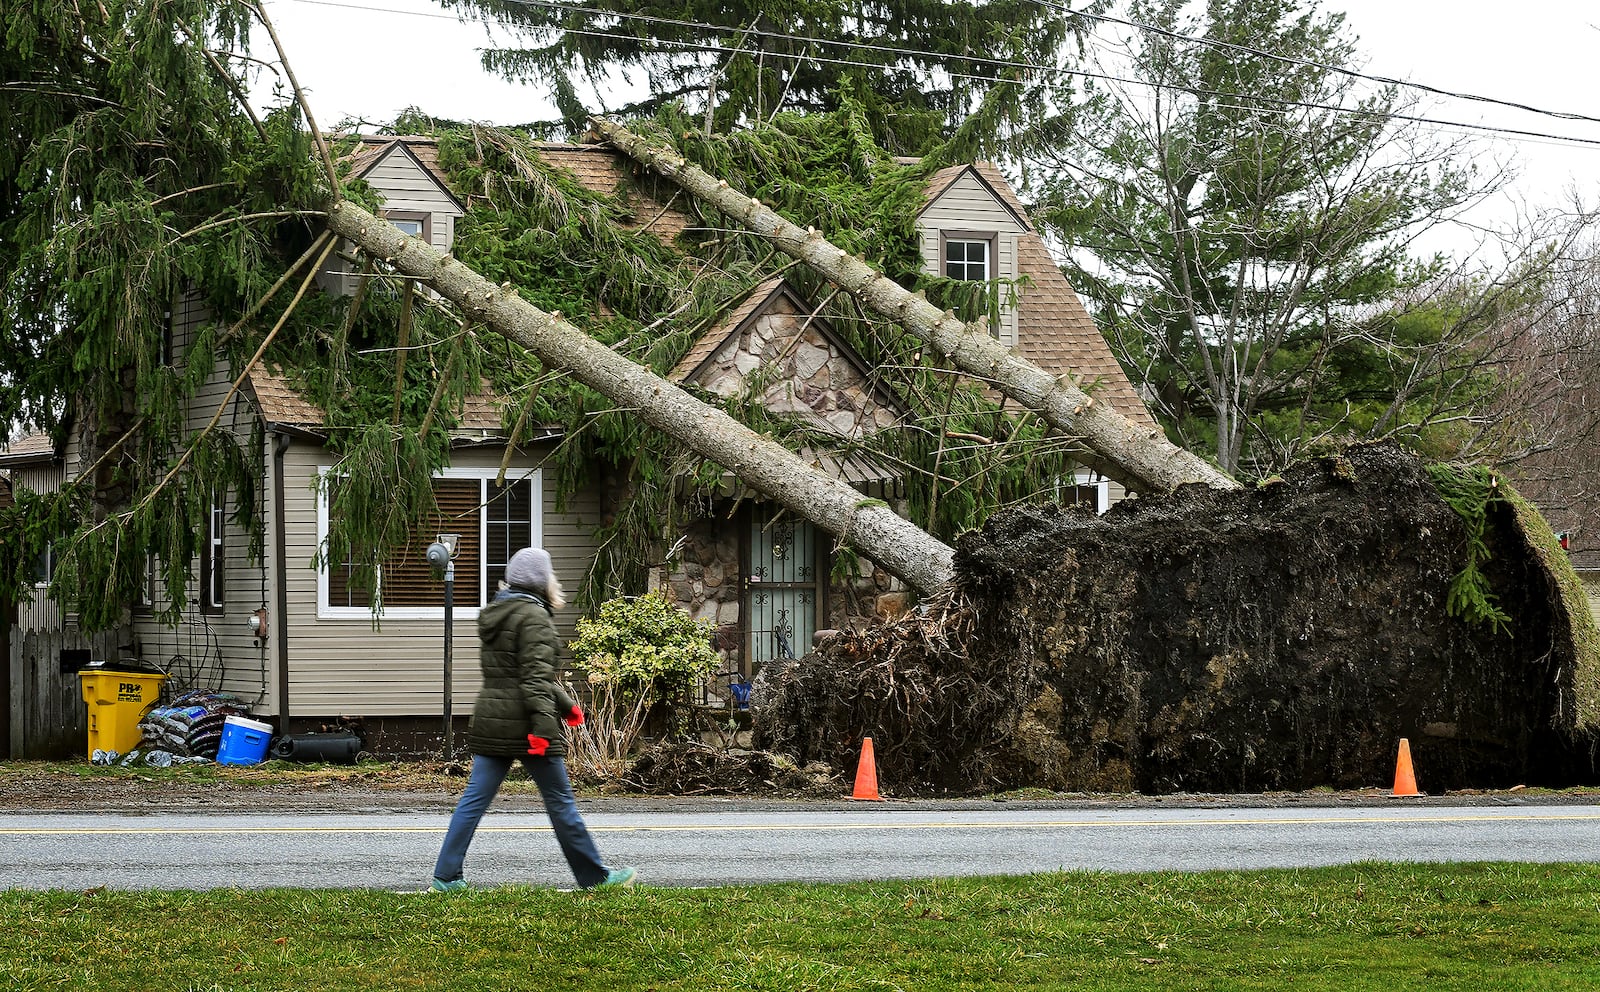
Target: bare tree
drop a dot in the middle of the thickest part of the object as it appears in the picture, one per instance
(1543, 426)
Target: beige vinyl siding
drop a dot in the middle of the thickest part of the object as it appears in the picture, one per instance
(347, 666)
(407, 188)
(40, 612)
(968, 206)
(1591, 585)
(215, 650)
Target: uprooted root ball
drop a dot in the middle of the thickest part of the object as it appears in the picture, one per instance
(1280, 637)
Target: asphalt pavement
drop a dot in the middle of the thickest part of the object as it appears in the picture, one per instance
(706, 846)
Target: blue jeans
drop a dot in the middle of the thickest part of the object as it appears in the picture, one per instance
(550, 775)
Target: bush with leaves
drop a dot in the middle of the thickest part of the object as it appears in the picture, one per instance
(645, 647)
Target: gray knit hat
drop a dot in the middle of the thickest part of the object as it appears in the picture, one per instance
(530, 570)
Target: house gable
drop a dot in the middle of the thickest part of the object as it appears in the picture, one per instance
(816, 376)
(407, 175)
(970, 208)
(1046, 322)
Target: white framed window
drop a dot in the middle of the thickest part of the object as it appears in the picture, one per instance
(416, 223)
(44, 567)
(213, 556)
(494, 521)
(1087, 487)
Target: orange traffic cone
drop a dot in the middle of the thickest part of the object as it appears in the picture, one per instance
(866, 773)
(1405, 780)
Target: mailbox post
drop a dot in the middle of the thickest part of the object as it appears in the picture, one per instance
(442, 556)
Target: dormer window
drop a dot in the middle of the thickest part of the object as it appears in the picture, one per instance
(968, 257)
(412, 222)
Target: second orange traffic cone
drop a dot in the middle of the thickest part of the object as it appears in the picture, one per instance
(1405, 780)
(866, 773)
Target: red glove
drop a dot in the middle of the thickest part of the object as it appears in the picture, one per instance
(537, 745)
(574, 717)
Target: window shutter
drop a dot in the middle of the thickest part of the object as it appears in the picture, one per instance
(407, 578)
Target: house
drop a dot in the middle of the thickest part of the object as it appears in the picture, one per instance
(300, 643)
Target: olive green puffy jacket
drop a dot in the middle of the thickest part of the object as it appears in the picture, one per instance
(522, 692)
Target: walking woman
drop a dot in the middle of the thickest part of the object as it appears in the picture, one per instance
(519, 716)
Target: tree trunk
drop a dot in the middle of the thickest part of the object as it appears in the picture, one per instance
(766, 466)
(1135, 456)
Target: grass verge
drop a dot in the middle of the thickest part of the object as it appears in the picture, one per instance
(1368, 926)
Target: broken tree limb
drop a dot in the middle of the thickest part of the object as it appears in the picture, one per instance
(1138, 457)
(766, 466)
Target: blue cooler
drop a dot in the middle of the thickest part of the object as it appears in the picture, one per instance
(244, 741)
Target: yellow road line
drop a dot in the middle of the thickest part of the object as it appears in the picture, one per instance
(801, 827)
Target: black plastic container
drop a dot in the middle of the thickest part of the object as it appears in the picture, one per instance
(339, 747)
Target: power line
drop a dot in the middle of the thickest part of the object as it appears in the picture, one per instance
(1307, 63)
(569, 7)
(1083, 74)
(1512, 133)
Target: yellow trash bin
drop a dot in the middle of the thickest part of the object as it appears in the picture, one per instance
(117, 701)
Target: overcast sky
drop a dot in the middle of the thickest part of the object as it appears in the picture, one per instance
(369, 59)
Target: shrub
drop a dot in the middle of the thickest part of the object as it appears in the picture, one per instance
(645, 647)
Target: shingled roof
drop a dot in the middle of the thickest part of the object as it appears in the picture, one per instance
(598, 169)
(604, 171)
(28, 450)
(282, 405)
(1056, 333)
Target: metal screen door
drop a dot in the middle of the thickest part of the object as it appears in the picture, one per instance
(781, 604)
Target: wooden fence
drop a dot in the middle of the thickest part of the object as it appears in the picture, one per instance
(47, 715)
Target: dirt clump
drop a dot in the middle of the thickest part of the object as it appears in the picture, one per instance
(1282, 637)
(694, 769)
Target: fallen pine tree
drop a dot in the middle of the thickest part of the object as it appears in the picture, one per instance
(1281, 637)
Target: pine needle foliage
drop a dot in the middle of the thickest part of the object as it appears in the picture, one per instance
(1471, 490)
(913, 71)
(137, 179)
(130, 175)
(583, 253)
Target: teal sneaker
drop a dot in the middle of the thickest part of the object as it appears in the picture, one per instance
(454, 885)
(617, 878)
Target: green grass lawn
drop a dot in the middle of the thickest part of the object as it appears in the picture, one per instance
(1482, 927)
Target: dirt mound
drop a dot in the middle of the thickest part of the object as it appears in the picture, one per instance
(1282, 637)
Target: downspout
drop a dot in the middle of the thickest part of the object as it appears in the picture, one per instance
(280, 612)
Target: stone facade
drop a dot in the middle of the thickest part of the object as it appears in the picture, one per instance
(806, 373)
(706, 579)
(775, 344)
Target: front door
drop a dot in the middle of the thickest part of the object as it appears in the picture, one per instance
(783, 591)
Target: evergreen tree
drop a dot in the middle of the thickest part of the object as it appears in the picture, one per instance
(918, 69)
(138, 177)
(1247, 203)
(129, 173)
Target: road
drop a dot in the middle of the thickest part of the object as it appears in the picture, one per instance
(707, 847)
